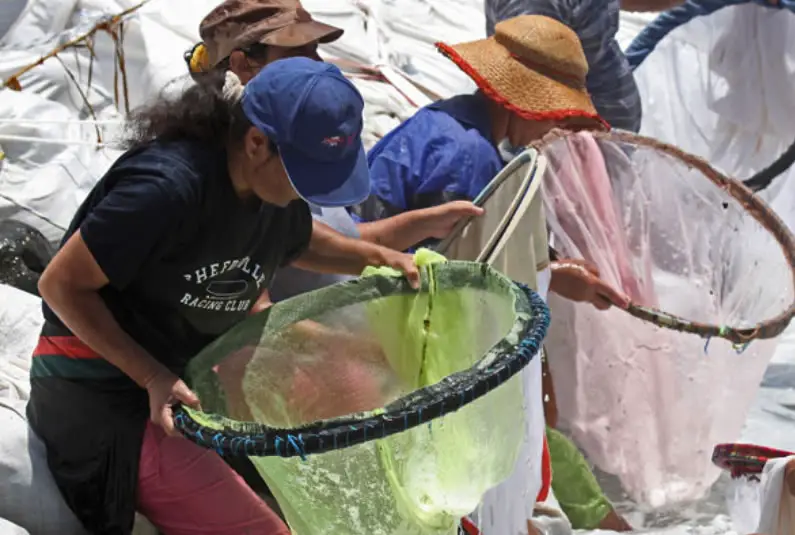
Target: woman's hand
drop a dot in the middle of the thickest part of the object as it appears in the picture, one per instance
(406, 230)
(164, 390)
(578, 280)
(438, 221)
(331, 252)
(263, 302)
(402, 262)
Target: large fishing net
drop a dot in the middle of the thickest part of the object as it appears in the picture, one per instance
(372, 408)
(709, 269)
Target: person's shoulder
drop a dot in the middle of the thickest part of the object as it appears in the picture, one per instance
(179, 168)
(173, 160)
(437, 121)
(456, 126)
(429, 127)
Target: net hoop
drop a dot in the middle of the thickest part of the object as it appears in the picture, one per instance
(231, 438)
(752, 204)
(745, 459)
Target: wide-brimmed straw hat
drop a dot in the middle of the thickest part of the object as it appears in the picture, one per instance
(534, 66)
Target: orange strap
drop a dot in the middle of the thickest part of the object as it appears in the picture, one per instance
(546, 473)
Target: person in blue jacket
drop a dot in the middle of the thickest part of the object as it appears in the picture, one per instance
(531, 78)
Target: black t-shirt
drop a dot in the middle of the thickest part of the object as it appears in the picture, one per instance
(185, 256)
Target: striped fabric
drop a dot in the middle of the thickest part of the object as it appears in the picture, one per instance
(67, 357)
(610, 80)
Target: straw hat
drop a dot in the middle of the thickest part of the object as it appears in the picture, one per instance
(534, 66)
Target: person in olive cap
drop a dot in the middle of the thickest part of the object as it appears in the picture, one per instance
(245, 35)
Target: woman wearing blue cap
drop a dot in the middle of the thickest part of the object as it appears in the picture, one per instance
(173, 246)
(276, 29)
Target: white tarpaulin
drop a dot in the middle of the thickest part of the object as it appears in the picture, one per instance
(46, 131)
(719, 87)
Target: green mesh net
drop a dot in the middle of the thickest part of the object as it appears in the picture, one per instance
(359, 375)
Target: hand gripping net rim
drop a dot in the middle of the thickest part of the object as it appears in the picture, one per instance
(505, 359)
(757, 208)
(745, 459)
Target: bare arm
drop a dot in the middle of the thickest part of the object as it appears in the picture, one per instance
(331, 252)
(399, 232)
(410, 228)
(70, 286)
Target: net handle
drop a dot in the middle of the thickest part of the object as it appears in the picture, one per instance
(754, 205)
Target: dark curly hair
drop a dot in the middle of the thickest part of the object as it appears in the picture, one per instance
(200, 113)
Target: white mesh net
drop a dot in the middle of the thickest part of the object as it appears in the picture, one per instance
(646, 403)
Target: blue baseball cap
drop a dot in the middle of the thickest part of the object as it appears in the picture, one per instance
(314, 116)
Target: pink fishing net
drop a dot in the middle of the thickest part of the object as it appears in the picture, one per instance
(644, 402)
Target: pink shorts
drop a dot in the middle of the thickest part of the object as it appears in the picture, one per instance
(184, 489)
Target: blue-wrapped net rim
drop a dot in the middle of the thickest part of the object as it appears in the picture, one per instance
(234, 438)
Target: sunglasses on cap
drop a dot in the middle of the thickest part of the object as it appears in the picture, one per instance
(197, 60)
